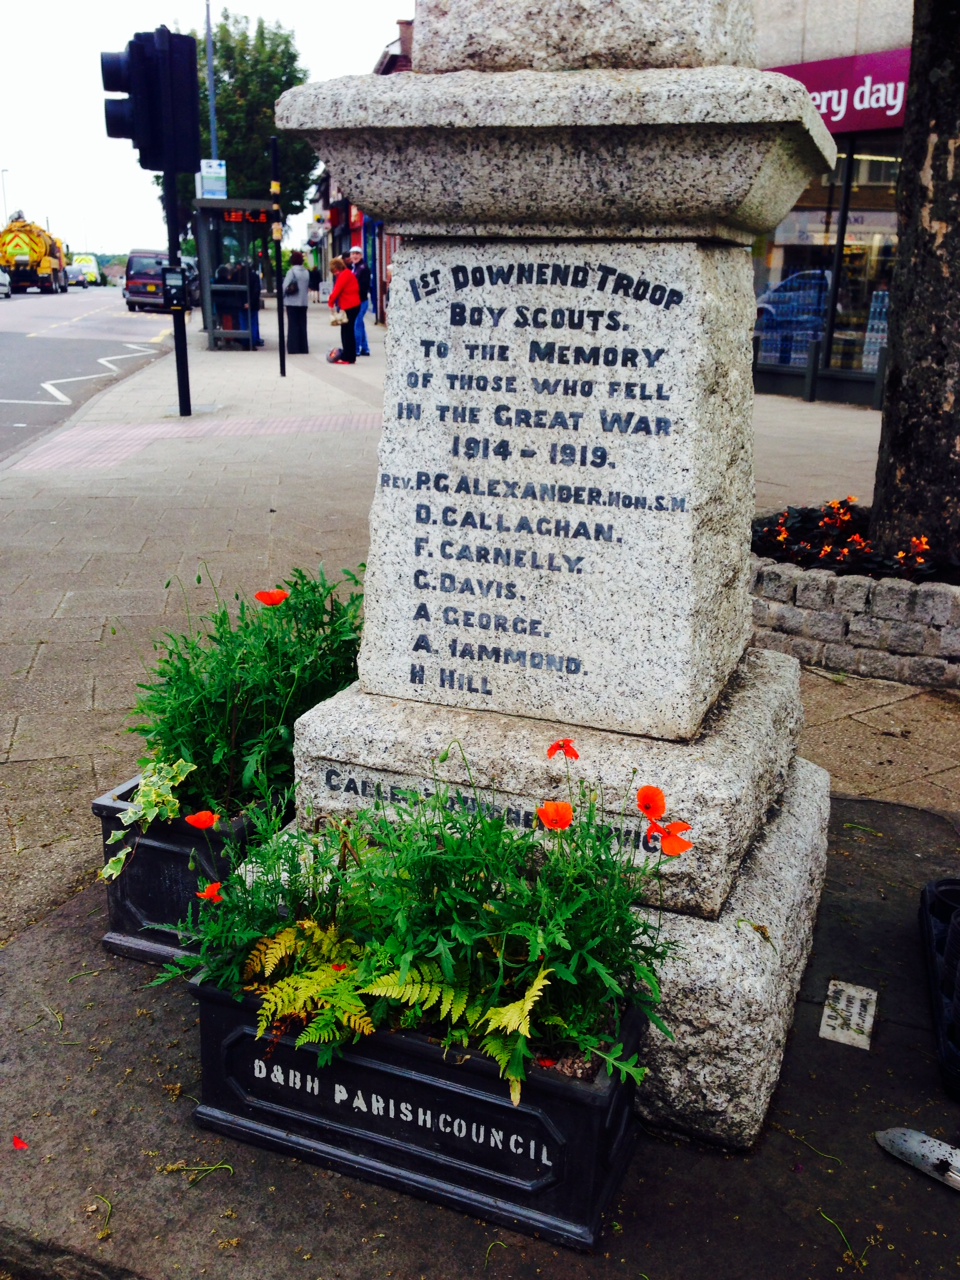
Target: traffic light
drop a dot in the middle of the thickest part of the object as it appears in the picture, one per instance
(161, 114)
(138, 116)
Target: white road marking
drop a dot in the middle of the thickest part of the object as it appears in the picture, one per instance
(59, 397)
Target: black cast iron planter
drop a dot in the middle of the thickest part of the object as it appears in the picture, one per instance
(152, 894)
(394, 1110)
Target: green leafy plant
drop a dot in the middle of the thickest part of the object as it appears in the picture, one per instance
(153, 798)
(224, 698)
(523, 945)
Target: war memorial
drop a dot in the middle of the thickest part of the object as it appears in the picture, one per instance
(560, 533)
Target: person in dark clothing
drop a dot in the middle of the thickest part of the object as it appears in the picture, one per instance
(362, 272)
(345, 294)
(253, 286)
(297, 299)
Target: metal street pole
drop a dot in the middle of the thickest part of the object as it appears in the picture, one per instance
(277, 237)
(211, 91)
(3, 172)
(173, 220)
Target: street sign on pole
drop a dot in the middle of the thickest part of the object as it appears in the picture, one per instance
(213, 179)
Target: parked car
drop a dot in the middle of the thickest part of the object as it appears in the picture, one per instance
(143, 287)
(77, 276)
(5, 290)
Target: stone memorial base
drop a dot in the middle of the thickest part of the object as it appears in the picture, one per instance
(729, 992)
(358, 745)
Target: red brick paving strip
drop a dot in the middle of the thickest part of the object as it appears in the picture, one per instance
(105, 446)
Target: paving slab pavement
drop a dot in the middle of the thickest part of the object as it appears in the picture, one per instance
(99, 1075)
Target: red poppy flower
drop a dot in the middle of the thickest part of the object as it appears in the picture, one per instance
(271, 598)
(203, 820)
(556, 815)
(546, 1063)
(566, 746)
(338, 968)
(19, 1144)
(212, 892)
(652, 802)
(672, 844)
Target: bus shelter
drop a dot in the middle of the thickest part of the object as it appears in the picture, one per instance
(231, 237)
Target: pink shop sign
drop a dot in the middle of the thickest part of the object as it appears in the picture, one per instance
(857, 94)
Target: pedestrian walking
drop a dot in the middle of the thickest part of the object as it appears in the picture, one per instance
(315, 281)
(362, 272)
(296, 297)
(345, 294)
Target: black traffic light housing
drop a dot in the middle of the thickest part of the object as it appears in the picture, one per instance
(161, 114)
(161, 117)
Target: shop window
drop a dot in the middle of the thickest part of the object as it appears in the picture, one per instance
(795, 265)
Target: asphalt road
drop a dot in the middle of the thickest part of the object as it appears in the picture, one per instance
(57, 350)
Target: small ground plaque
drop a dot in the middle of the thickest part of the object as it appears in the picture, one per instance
(848, 1014)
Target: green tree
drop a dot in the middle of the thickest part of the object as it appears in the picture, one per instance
(251, 70)
(250, 73)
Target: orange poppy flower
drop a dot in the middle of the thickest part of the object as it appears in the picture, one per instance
(556, 815)
(203, 820)
(338, 968)
(672, 843)
(652, 802)
(566, 746)
(271, 598)
(546, 1063)
(212, 892)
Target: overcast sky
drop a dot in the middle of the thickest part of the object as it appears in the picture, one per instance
(61, 166)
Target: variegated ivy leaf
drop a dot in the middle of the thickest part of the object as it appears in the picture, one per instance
(110, 870)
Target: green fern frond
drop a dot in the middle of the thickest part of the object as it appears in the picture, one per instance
(321, 1029)
(509, 1052)
(300, 993)
(516, 1016)
(424, 986)
(322, 942)
(359, 1022)
(283, 947)
(255, 960)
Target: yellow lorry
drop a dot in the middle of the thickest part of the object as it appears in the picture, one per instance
(32, 257)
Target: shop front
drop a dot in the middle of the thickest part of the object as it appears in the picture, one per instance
(822, 277)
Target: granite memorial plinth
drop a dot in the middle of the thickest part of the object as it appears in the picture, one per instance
(356, 748)
(570, 446)
(501, 35)
(708, 153)
(560, 532)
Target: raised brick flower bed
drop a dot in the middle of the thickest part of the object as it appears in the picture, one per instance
(886, 628)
